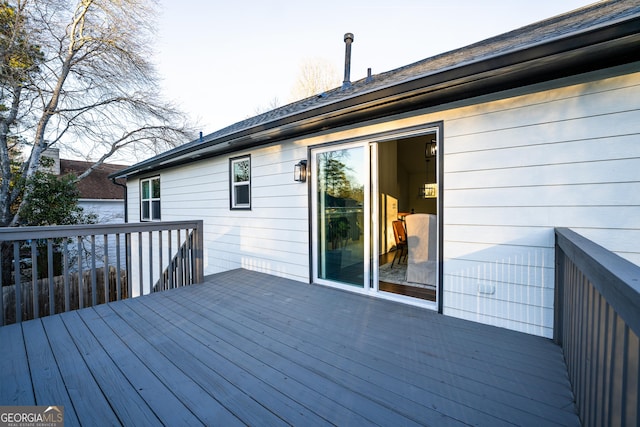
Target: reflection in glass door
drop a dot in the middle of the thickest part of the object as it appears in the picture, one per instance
(341, 198)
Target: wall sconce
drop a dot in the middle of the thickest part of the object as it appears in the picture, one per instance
(300, 171)
(430, 149)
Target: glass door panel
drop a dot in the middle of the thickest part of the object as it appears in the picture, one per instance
(340, 188)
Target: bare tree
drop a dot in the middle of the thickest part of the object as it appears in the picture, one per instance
(271, 105)
(315, 76)
(76, 74)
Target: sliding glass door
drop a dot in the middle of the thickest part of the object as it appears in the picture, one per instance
(340, 225)
(360, 193)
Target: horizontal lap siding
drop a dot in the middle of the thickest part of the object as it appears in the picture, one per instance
(272, 237)
(516, 168)
(513, 169)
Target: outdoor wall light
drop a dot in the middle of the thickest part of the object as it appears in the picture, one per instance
(300, 171)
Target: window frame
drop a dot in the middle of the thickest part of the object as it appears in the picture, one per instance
(233, 204)
(150, 200)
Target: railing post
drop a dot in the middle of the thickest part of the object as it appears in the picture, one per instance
(198, 249)
(188, 265)
(558, 306)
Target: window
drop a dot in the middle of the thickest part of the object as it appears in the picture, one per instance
(150, 199)
(240, 169)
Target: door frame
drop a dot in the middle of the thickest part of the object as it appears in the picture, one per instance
(372, 140)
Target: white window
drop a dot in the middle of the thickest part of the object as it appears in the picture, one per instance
(150, 199)
(240, 179)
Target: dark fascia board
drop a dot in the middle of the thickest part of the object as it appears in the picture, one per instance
(592, 50)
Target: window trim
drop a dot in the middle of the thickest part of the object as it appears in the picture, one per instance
(150, 200)
(232, 184)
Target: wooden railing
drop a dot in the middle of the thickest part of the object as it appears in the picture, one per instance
(48, 270)
(177, 272)
(597, 322)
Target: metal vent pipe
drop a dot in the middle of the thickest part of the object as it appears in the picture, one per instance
(348, 39)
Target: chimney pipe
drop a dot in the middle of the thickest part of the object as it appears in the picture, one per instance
(348, 39)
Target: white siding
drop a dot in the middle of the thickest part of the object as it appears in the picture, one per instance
(272, 237)
(517, 168)
(514, 168)
(107, 211)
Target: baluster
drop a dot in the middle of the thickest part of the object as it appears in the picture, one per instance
(34, 279)
(179, 261)
(16, 274)
(105, 268)
(129, 266)
(170, 268)
(80, 278)
(51, 274)
(65, 267)
(94, 279)
(187, 260)
(161, 285)
(140, 271)
(150, 261)
(118, 284)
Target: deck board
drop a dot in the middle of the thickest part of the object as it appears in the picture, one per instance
(141, 379)
(379, 344)
(170, 341)
(277, 372)
(15, 380)
(202, 407)
(130, 408)
(48, 384)
(376, 384)
(248, 348)
(89, 403)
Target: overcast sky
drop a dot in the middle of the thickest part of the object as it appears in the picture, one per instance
(222, 60)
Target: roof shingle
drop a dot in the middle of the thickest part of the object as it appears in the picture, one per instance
(97, 184)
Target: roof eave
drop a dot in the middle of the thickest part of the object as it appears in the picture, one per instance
(575, 54)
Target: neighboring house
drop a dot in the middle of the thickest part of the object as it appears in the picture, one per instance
(499, 142)
(98, 194)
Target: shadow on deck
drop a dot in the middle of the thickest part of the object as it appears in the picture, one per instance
(249, 348)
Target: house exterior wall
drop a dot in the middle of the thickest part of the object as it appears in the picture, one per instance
(272, 237)
(108, 211)
(516, 165)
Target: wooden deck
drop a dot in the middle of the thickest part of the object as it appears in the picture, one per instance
(251, 349)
